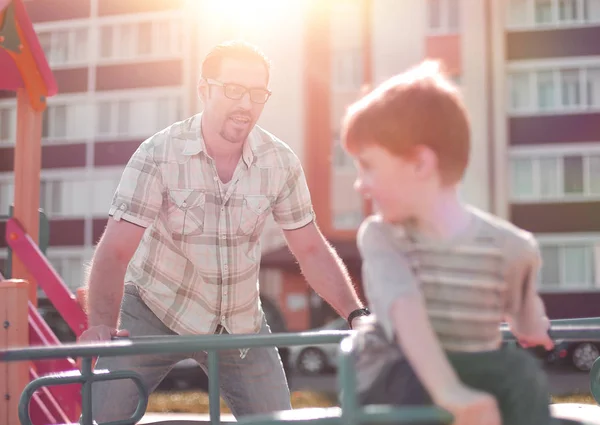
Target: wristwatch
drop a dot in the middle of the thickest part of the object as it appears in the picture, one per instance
(357, 313)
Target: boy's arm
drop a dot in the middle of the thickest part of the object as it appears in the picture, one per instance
(421, 347)
(528, 320)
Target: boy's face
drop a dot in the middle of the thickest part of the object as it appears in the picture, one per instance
(399, 186)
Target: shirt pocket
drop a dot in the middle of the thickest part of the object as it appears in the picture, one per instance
(255, 209)
(187, 208)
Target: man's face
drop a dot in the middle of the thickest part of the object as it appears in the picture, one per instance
(232, 100)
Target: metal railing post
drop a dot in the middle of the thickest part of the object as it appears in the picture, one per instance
(87, 374)
(347, 382)
(214, 396)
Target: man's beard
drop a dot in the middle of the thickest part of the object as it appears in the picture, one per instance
(233, 136)
(232, 133)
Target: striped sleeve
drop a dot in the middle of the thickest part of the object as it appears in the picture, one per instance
(387, 274)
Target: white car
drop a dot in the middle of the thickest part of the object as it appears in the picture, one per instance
(316, 359)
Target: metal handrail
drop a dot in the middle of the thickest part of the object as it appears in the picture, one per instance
(566, 330)
(150, 345)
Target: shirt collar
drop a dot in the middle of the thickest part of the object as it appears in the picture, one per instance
(195, 142)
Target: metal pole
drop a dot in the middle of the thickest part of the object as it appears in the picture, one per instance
(214, 399)
(86, 391)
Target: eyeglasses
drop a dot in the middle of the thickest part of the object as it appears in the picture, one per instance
(236, 91)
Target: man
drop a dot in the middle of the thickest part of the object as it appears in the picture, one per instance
(184, 238)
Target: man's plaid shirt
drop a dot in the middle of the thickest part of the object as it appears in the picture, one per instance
(198, 262)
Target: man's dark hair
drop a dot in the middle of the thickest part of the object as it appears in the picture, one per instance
(235, 49)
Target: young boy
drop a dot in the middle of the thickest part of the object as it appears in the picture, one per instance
(441, 276)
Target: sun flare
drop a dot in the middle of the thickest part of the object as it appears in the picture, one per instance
(241, 17)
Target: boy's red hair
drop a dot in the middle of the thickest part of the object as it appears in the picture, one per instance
(417, 107)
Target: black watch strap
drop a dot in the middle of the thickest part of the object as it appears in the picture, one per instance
(357, 313)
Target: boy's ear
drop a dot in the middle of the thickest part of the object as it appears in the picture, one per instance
(426, 161)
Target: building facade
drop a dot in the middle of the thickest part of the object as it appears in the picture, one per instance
(529, 71)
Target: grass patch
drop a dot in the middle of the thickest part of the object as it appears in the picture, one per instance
(575, 398)
(197, 401)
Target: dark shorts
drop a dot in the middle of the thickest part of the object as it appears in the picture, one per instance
(511, 374)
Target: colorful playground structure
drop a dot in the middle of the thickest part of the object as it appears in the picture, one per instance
(25, 71)
(42, 382)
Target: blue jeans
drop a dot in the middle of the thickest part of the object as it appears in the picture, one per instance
(254, 384)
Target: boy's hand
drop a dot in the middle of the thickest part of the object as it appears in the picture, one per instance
(538, 337)
(470, 407)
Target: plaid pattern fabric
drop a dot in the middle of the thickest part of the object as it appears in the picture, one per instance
(197, 264)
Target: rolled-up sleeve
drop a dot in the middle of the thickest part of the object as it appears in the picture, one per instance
(138, 197)
(293, 207)
(386, 271)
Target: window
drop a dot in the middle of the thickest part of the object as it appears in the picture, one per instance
(522, 178)
(104, 189)
(8, 124)
(435, 14)
(340, 159)
(549, 177)
(347, 42)
(555, 89)
(517, 11)
(594, 174)
(64, 197)
(144, 39)
(544, 13)
(443, 16)
(70, 267)
(568, 10)
(545, 88)
(137, 117)
(65, 47)
(7, 193)
(555, 177)
(568, 264)
(520, 83)
(349, 220)
(347, 69)
(66, 121)
(593, 87)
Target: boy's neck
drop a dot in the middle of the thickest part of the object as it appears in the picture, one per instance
(445, 218)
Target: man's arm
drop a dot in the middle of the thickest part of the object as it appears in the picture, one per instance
(320, 264)
(323, 268)
(107, 273)
(135, 205)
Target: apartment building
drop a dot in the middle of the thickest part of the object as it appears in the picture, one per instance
(529, 71)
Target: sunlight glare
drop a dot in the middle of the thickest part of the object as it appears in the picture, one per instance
(242, 17)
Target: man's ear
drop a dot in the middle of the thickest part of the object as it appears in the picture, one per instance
(203, 90)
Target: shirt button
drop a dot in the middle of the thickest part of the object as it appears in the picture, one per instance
(223, 237)
(223, 318)
(123, 206)
(184, 204)
(224, 292)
